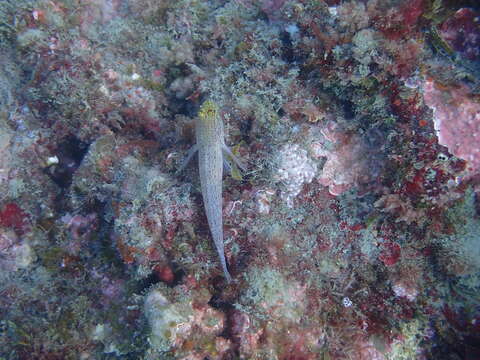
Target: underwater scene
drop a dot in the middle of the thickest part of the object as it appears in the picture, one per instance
(240, 179)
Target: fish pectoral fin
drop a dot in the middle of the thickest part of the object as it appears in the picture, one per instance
(227, 166)
(189, 157)
(233, 164)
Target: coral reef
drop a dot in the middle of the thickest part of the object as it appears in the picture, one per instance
(294, 170)
(456, 121)
(353, 233)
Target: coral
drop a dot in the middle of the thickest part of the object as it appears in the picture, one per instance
(456, 120)
(14, 253)
(170, 322)
(364, 43)
(294, 169)
(345, 167)
(178, 321)
(144, 229)
(404, 289)
(270, 295)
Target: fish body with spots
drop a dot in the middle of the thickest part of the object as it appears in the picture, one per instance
(212, 153)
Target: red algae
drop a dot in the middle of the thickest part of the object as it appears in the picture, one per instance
(390, 253)
(12, 216)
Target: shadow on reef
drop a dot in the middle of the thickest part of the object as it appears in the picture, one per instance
(70, 154)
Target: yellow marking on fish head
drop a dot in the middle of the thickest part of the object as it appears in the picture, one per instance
(208, 112)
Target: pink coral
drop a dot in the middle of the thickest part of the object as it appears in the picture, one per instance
(344, 167)
(456, 120)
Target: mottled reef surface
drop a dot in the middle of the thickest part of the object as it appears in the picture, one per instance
(353, 234)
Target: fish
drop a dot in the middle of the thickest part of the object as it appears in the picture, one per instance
(213, 154)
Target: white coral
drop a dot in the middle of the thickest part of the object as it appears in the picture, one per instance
(294, 169)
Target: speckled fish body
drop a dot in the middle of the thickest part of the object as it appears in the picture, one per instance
(210, 145)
